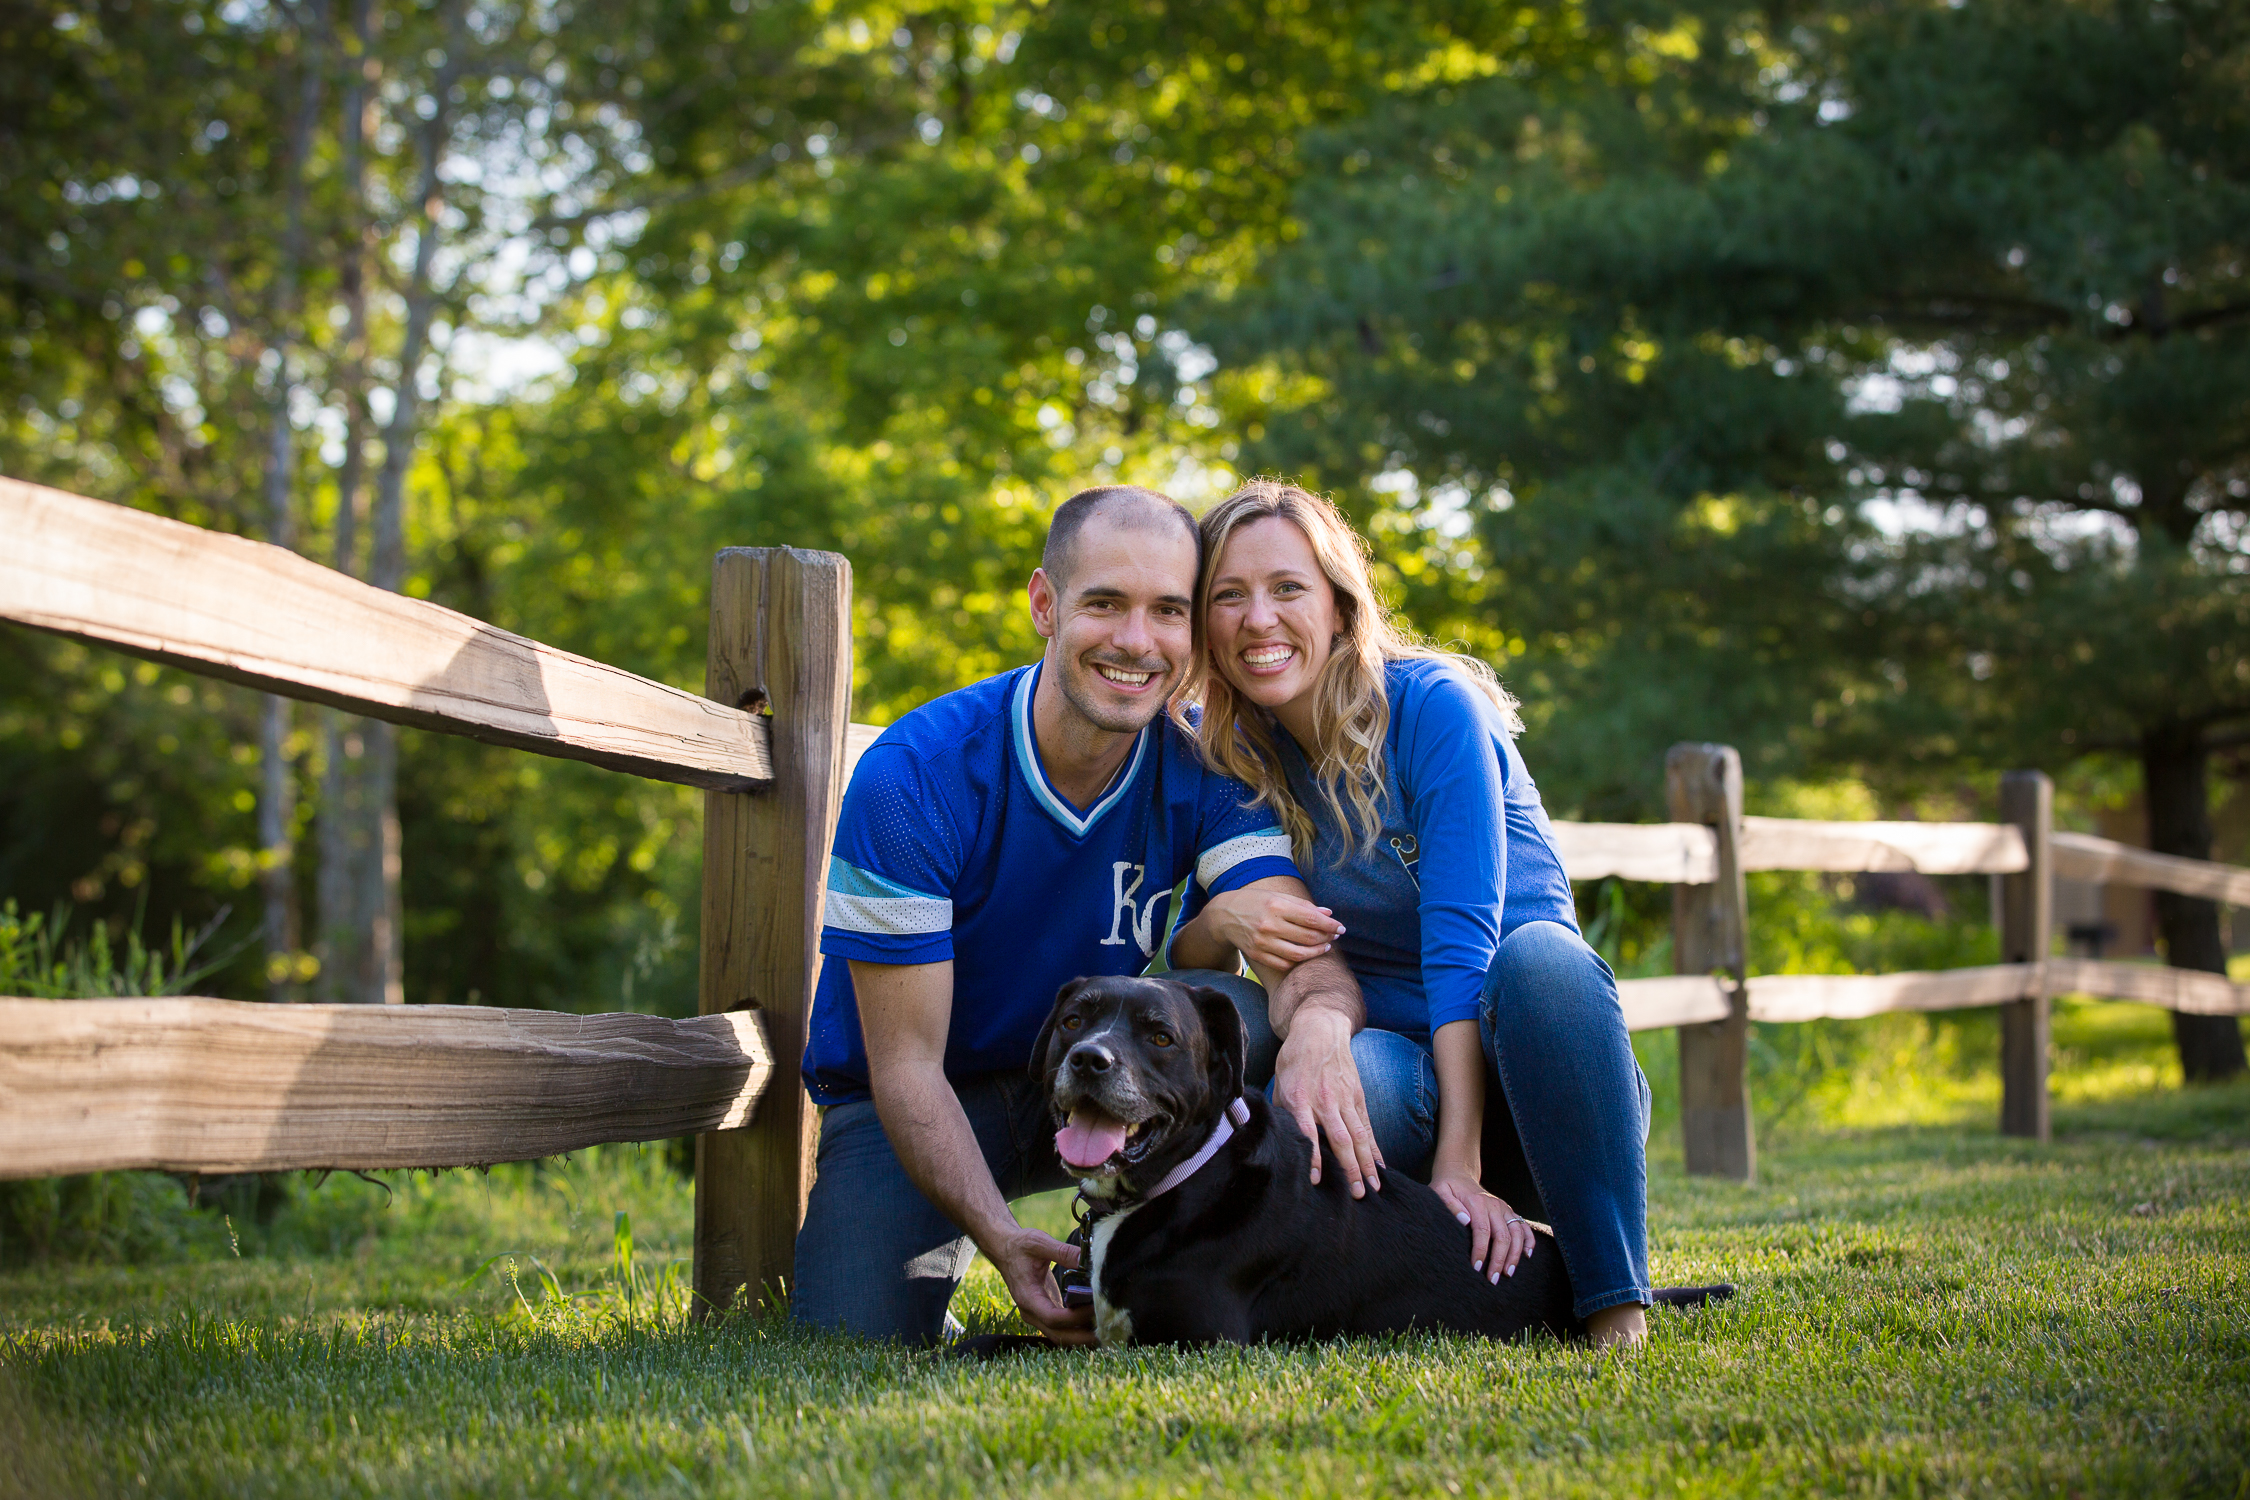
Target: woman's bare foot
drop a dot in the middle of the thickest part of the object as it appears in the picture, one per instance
(1622, 1327)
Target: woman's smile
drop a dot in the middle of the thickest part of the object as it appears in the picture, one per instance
(1271, 618)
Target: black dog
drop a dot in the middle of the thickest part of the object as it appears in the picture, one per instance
(1192, 1245)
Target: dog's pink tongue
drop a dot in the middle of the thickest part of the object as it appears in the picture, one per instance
(1090, 1138)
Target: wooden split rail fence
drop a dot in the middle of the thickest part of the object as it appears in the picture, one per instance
(204, 1085)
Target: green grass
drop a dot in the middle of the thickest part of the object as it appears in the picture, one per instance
(1927, 1308)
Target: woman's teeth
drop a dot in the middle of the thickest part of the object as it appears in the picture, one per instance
(1268, 656)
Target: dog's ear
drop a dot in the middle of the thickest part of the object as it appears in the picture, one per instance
(1228, 1040)
(1036, 1064)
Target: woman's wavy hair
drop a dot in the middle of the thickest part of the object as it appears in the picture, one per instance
(1352, 708)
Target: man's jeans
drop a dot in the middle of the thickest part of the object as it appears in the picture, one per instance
(1566, 1108)
(877, 1258)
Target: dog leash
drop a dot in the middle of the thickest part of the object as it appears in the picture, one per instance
(1077, 1285)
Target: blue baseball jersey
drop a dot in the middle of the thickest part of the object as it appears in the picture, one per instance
(953, 845)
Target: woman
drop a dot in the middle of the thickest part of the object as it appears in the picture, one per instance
(1393, 768)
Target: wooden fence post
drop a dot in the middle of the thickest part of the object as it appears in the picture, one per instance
(1703, 784)
(2027, 799)
(780, 639)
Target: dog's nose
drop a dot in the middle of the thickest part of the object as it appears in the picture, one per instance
(1088, 1058)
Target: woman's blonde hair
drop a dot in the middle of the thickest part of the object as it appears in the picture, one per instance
(1351, 705)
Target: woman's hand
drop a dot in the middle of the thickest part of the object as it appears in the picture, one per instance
(1274, 930)
(1499, 1236)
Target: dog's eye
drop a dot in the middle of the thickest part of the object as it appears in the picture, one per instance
(1072, 1023)
(1161, 1039)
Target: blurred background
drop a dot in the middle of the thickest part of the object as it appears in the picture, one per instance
(1863, 385)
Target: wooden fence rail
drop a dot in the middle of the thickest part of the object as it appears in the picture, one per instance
(1684, 999)
(2081, 856)
(252, 613)
(236, 1086)
(210, 1085)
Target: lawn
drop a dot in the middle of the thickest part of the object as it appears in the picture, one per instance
(1927, 1308)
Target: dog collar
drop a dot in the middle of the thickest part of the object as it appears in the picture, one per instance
(1238, 1113)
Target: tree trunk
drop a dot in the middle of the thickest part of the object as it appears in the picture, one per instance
(277, 865)
(350, 877)
(386, 949)
(277, 801)
(2175, 771)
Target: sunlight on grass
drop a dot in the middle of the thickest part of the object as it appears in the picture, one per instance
(1927, 1308)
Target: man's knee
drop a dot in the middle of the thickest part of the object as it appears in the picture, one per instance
(1249, 999)
(874, 1257)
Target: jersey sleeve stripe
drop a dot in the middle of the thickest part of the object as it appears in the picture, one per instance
(887, 916)
(850, 880)
(1214, 862)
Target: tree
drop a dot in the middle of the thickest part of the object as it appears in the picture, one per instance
(891, 281)
(1861, 382)
(337, 219)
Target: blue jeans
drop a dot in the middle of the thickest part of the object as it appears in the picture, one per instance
(1566, 1107)
(878, 1259)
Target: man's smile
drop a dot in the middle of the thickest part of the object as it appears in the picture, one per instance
(1125, 677)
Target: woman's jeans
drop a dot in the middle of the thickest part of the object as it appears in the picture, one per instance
(1566, 1108)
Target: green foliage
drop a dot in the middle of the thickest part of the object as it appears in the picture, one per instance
(1669, 353)
(38, 961)
(101, 1218)
(1860, 390)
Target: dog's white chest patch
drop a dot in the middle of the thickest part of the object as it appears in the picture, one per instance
(1113, 1326)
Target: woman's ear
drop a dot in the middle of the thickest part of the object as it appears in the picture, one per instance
(1036, 1065)
(1228, 1040)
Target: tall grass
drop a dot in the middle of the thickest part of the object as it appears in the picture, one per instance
(41, 960)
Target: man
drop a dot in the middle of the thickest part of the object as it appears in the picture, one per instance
(1044, 824)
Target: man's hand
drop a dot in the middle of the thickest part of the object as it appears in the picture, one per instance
(1023, 1259)
(904, 1011)
(1316, 1080)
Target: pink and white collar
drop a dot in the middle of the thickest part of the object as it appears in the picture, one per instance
(1238, 1113)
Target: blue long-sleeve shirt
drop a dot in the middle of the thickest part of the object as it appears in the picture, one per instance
(1466, 855)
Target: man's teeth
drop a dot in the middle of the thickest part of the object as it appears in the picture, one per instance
(1266, 656)
(1119, 675)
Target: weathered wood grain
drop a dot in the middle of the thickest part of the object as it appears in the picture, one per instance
(780, 633)
(2027, 910)
(2189, 991)
(248, 612)
(2081, 856)
(1667, 853)
(1710, 935)
(228, 1086)
(1932, 848)
(1673, 1000)
(1845, 997)
(1807, 997)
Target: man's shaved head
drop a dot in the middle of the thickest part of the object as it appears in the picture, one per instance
(1119, 504)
